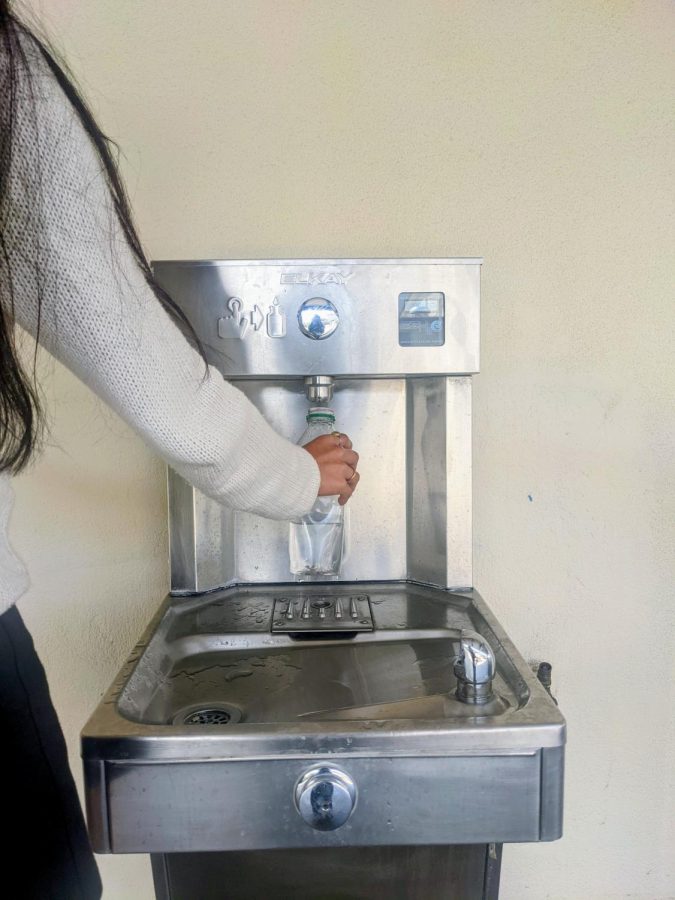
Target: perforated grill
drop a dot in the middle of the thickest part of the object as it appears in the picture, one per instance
(222, 714)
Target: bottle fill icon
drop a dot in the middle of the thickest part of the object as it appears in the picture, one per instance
(276, 320)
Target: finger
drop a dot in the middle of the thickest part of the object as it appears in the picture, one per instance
(350, 488)
(347, 472)
(345, 442)
(327, 440)
(337, 456)
(351, 457)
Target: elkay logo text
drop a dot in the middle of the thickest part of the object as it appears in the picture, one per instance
(316, 277)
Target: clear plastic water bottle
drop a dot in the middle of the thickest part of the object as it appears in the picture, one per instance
(316, 541)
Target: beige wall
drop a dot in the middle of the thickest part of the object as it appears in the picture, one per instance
(536, 134)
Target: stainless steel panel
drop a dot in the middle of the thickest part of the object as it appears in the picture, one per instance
(458, 485)
(426, 482)
(365, 293)
(462, 872)
(179, 807)
(552, 781)
(439, 481)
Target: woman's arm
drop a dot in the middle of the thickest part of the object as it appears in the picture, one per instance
(100, 318)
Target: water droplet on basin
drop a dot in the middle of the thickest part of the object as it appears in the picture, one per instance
(243, 673)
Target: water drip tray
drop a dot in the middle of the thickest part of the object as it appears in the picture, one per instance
(320, 613)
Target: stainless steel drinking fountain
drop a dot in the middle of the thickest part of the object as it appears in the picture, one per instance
(376, 734)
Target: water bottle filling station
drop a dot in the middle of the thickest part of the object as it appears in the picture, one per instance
(360, 712)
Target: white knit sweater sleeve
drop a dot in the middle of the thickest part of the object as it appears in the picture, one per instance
(104, 323)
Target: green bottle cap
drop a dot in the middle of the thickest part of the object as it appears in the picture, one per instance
(319, 413)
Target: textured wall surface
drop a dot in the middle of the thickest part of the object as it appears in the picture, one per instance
(536, 134)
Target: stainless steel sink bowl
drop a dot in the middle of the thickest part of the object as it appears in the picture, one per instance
(214, 720)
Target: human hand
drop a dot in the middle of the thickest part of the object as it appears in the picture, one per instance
(337, 464)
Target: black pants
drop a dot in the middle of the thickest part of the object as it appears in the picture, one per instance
(45, 848)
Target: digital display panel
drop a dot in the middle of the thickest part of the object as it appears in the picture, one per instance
(427, 305)
(421, 319)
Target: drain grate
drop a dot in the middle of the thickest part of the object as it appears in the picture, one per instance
(208, 715)
(318, 613)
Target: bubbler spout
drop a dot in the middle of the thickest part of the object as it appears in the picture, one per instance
(475, 668)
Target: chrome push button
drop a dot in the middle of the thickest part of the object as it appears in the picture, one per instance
(318, 318)
(325, 797)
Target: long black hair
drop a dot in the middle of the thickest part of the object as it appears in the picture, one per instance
(21, 415)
